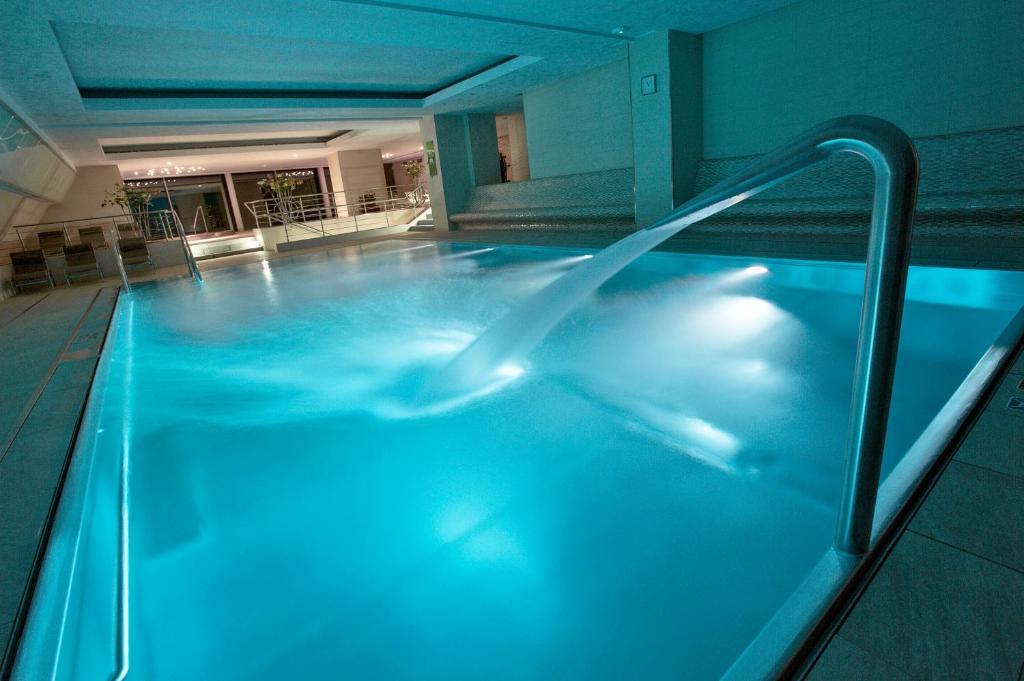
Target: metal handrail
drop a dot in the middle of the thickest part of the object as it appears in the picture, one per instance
(267, 210)
(894, 162)
(190, 260)
(159, 221)
(115, 241)
(385, 208)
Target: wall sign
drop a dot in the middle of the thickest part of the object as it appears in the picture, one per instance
(431, 155)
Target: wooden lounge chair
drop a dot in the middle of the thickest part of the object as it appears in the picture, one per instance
(52, 242)
(134, 251)
(80, 261)
(92, 236)
(30, 269)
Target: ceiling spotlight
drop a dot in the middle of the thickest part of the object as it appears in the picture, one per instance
(168, 163)
(295, 155)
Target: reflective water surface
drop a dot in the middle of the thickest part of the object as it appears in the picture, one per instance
(633, 501)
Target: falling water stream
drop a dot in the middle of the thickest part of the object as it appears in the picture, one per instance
(495, 355)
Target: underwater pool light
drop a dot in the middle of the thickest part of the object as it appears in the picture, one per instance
(756, 269)
(510, 371)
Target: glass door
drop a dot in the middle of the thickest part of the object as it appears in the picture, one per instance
(201, 203)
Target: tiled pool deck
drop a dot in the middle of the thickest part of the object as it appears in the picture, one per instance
(49, 346)
(947, 602)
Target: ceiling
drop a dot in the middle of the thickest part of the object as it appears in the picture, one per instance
(277, 82)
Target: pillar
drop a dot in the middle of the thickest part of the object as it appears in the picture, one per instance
(465, 148)
(519, 159)
(233, 205)
(665, 69)
(356, 172)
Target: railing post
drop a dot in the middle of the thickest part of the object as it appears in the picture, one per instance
(190, 260)
(115, 242)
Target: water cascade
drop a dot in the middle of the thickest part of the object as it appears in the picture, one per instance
(485, 361)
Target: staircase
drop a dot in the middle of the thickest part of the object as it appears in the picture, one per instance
(425, 222)
(218, 247)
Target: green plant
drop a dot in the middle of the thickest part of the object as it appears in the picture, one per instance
(413, 169)
(133, 201)
(281, 188)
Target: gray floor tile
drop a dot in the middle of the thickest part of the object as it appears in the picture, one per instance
(978, 510)
(844, 661)
(1008, 391)
(16, 563)
(1018, 366)
(56, 410)
(72, 374)
(5, 631)
(997, 443)
(939, 613)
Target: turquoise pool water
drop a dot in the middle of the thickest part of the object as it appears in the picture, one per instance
(635, 501)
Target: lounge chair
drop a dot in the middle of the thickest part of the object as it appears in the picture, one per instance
(134, 251)
(53, 242)
(92, 236)
(80, 261)
(30, 269)
(126, 230)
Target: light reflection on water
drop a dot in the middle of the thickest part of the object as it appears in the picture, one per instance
(592, 513)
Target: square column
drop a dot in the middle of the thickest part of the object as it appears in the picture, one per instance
(465, 150)
(666, 88)
(356, 172)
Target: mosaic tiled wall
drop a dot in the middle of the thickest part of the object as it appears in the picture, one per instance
(601, 200)
(972, 185)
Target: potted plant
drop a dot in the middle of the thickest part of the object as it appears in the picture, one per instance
(280, 188)
(413, 169)
(133, 201)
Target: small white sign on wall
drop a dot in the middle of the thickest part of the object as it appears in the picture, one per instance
(649, 84)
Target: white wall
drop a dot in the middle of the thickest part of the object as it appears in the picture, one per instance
(85, 195)
(402, 180)
(581, 124)
(930, 67)
(355, 172)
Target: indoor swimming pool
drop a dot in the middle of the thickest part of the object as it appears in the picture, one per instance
(265, 488)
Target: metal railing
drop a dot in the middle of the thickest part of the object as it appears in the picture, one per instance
(328, 205)
(894, 162)
(116, 248)
(186, 247)
(156, 225)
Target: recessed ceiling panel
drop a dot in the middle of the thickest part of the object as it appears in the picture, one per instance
(119, 58)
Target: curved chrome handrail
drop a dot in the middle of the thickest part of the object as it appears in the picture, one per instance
(894, 162)
(895, 166)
